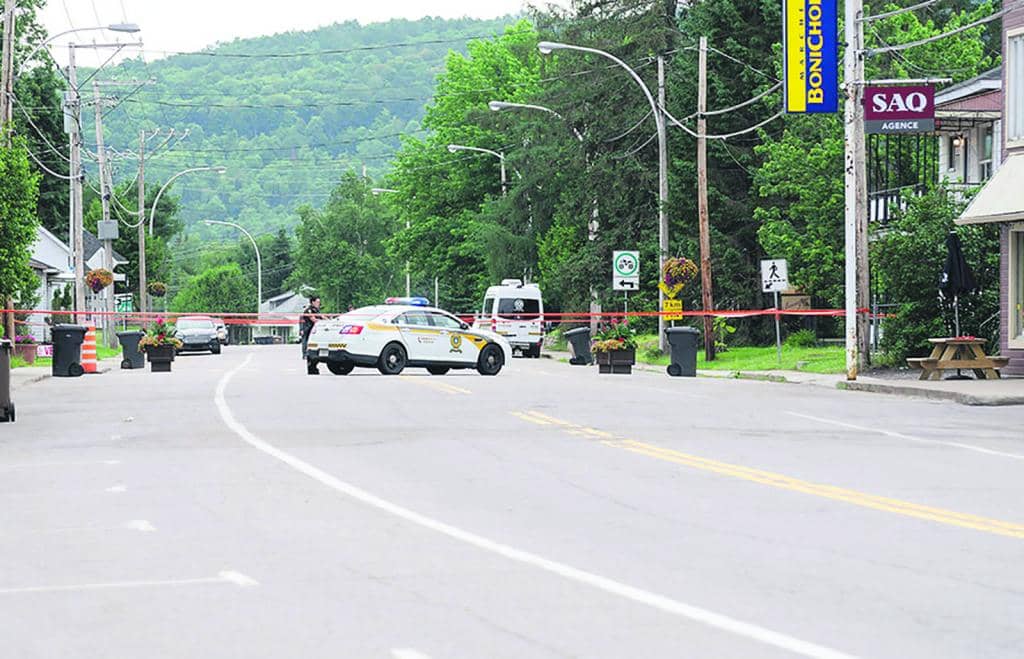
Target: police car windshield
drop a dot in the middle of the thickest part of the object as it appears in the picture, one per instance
(519, 308)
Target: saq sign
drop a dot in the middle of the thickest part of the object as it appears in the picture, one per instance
(899, 109)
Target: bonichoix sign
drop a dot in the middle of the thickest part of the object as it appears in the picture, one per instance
(899, 109)
(810, 51)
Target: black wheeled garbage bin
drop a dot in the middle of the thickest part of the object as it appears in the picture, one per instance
(579, 344)
(683, 342)
(6, 406)
(67, 350)
(131, 356)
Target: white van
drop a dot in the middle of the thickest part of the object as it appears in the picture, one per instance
(515, 311)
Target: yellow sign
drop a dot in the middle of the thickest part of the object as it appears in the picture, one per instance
(670, 291)
(673, 309)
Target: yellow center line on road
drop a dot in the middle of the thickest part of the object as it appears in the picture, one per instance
(781, 481)
(440, 386)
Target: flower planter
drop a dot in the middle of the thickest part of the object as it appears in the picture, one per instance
(27, 351)
(616, 361)
(160, 358)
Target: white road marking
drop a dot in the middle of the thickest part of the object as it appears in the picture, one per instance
(116, 489)
(654, 600)
(408, 653)
(909, 438)
(237, 578)
(227, 576)
(140, 525)
(40, 465)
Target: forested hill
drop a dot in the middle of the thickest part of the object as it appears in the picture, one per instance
(286, 114)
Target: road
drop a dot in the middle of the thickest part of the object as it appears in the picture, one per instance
(239, 508)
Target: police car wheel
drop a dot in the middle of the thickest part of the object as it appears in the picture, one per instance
(437, 370)
(340, 368)
(392, 359)
(491, 360)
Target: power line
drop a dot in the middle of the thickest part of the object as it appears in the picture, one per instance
(920, 42)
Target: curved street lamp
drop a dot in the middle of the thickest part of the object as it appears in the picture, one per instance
(452, 148)
(219, 169)
(546, 48)
(124, 28)
(259, 262)
(498, 106)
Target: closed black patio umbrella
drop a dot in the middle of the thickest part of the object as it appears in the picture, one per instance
(957, 277)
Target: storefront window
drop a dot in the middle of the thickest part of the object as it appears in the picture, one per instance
(1017, 284)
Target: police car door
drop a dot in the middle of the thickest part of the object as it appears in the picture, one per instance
(422, 340)
(455, 344)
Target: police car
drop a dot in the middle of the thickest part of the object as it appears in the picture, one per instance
(404, 332)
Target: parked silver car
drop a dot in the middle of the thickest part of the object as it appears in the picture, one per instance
(197, 333)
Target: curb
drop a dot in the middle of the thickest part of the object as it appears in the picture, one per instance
(103, 366)
(932, 394)
(723, 375)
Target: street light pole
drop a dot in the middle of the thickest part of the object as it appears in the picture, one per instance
(452, 148)
(259, 262)
(546, 48)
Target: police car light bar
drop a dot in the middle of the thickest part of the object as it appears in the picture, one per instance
(411, 301)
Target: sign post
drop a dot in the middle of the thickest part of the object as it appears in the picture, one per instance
(775, 279)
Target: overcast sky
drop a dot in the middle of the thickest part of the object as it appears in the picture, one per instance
(184, 25)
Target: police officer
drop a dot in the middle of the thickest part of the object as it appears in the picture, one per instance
(310, 315)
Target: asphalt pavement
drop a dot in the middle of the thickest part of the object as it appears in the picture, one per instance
(240, 508)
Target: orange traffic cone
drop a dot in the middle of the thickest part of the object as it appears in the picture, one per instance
(89, 351)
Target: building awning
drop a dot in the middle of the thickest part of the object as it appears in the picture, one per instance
(1000, 200)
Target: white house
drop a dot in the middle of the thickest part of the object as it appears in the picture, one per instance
(51, 260)
(283, 321)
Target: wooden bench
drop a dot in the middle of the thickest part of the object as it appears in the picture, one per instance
(956, 354)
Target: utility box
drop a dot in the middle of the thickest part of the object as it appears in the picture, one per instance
(107, 230)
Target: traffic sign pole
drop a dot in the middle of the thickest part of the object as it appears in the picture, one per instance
(778, 332)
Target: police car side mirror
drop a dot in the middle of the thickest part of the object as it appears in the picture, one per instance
(464, 326)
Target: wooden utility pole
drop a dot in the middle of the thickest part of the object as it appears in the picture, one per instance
(707, 296)
(142, 225)
(860, 159)
(855, 218)
(6, 87)
(7, 65)
(77, 238)
(105, 192)
(662, 194)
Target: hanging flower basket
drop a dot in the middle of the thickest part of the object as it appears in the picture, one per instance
(157, 289)
(99, 279)
(676, 274)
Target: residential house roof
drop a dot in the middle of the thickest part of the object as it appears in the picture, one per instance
(91, 244)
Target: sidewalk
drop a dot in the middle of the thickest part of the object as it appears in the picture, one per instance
(1007, 391)
(26, 375)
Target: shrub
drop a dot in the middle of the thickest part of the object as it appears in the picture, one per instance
(804, 338)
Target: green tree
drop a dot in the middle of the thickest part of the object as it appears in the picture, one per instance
(223, 289)
(340, 251)
(19, 191)
(910, 257)
(39, 117)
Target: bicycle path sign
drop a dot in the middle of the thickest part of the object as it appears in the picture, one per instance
(626, 270)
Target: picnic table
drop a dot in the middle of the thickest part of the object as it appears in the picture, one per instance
(962, 352)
